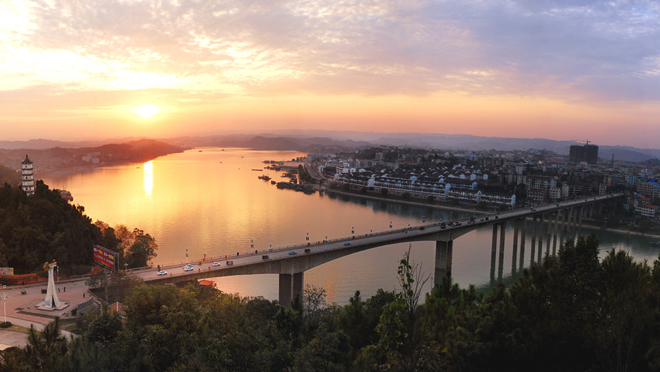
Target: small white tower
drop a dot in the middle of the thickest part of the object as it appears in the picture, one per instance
(28, 176)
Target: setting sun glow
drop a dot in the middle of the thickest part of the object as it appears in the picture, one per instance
(146, 111)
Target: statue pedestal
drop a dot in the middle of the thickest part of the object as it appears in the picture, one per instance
(47, 307)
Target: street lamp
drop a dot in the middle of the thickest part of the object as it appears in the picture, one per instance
(4, 299)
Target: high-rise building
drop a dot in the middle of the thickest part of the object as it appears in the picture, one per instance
(587, 153)
(28, 176)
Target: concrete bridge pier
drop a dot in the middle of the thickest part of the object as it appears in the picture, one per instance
(502, 239)
(569, 227)
(522, 243)
(547, 246)
(443, 258)
(541, 228)
(556, 232)
(298, 284)
(514, 262)
(531, 258)
(582, 212)
(291, 285)
(493, 253)
(562, 228)
(575, 225)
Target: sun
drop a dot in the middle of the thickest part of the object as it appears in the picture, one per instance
(146, 111)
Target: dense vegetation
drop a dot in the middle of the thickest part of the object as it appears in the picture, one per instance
(10, 176)
(571, 313)
(45, 227)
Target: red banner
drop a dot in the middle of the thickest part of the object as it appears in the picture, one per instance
(105, 257)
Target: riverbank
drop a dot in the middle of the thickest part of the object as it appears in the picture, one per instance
(622, 231)
(586, 223)
(410, 202)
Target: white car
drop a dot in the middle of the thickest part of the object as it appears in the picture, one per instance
(215, 264)
(162, 272)
(188, 268)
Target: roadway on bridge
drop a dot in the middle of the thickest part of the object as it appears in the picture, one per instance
(379, 238)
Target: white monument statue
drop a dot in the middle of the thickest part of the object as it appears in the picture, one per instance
(51, 302)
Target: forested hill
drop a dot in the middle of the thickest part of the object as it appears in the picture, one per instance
(43, 227)
(62, 158)
(10, 176)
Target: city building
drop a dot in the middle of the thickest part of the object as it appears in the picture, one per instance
(587, 153)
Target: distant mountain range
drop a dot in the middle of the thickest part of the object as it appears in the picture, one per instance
(319, 141)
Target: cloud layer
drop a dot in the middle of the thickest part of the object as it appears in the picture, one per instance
(191, 51)
(574, 49)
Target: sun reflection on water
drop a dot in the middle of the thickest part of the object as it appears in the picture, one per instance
(148, 178)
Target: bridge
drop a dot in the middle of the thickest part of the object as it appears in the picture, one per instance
(563, 222)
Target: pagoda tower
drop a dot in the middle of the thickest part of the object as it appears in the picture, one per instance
(28, 176)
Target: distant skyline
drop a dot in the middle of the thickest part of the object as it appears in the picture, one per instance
(562, 70)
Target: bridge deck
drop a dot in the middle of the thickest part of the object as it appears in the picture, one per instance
(307, 256)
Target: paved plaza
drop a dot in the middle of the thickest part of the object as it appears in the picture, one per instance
(22, 310)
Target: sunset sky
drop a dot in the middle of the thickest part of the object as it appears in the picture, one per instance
(563, 69)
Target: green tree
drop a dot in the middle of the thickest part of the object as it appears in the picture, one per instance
(646, 225)
(104, 328)
(46, 350)
(397, 346)
(142, 251)
(624, 334)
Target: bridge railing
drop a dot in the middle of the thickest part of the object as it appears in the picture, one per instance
(349, 238)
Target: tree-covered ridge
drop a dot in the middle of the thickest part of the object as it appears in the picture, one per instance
(10, 176)
(61, 158)
(39, 228)
(571, 313)
(45, 227)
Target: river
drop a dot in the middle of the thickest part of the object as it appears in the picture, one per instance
(210, 201)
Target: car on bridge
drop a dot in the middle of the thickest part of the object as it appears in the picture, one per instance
(292, 252)
(347, 243)
(162, 272)
(188, 267)
(215, 264)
